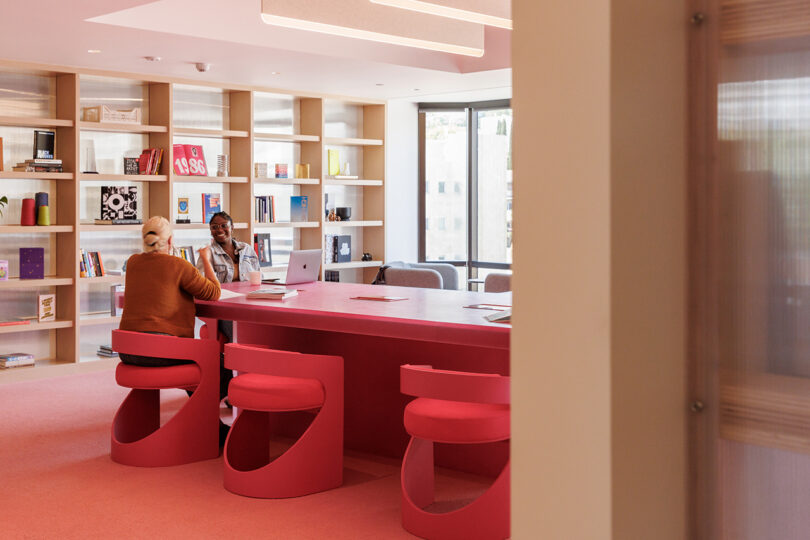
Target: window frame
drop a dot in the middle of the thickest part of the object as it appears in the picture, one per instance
(472, 264)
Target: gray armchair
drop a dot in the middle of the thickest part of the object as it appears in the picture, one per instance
(448, 272)
(413, 277)
(498, 283)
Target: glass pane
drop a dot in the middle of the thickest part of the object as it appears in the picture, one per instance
(755, 341)
(446, 186)
(495, 186)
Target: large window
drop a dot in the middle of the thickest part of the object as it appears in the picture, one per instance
(466, 187)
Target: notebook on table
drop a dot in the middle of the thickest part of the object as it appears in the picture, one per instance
(303, 267)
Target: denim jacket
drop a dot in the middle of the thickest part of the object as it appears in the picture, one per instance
(223, 265)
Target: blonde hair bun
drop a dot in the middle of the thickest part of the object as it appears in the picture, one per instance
(156, 232)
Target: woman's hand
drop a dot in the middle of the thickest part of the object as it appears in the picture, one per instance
(208, 270)
(205, 253)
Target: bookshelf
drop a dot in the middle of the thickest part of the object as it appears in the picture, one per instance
(249, 124)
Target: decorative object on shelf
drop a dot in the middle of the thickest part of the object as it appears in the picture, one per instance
(131, 165)
(182, 210)
(347, 171)
(261, 244)
(32, 263)
(299, 210)
(344, 212)
(44, 144)
(366, 256)
(189, 160)
(3, 202)
(16, 359)
(344, 248)
(3, 270)
(149, 161)
(88, 148)
(326, 205)
(334, 162)
(301, 170)
(105, 113)
(211, 204)
(116, 300)
(119, 202)
(223, 164)
(28, 214)
(332, 216)
(331, 275)
(47, 307)
(260, 170)
(281, 170)
(42, 211)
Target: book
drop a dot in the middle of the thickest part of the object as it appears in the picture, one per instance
(44, 143)
(117, 221)
(302, 170)
(264, 209)
(343, 250)
(131, 165)
(210, 205)
(331, 275)
(298, 208)
(32, 263)
(261, 243)
(186, 253)
(346, 177)
(116, 300)
(504, 316)
(182, 210)
(281, 170)
(179, 159)
(260, 170)
(334, 162)
(272, 293)
(119, 202)
(329, 248)
(196, 160)
(3, 270)
(47, 307)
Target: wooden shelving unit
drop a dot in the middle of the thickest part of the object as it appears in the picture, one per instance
(305, 140)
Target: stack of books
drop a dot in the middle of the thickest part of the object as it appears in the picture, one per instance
(272, 293)
(90, 264)
(106, 351)
(264, 208)
(39, 165)
(149, 161)
(16, 359)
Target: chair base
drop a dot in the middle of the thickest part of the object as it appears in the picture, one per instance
(312, 464)
(138, 440)
(485, 518)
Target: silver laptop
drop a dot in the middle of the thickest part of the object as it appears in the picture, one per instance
(303, 268)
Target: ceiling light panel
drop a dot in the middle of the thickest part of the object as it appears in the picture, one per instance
(488, 12)
(361, 19)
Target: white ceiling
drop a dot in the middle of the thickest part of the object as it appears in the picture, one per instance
(241, 49)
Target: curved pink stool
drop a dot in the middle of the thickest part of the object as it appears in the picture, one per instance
(459, 408)
(192, 434)
(271, 381)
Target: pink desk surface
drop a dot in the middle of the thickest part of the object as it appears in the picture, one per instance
(433, 315)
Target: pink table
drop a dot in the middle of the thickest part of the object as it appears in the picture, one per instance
(431, 327)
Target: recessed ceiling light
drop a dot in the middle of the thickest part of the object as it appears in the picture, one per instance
(416, 89)
(152, 58)
(275, 73)
(433, 8)
(94, 51)
(380, 84)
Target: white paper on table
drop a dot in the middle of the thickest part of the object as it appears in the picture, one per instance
(225, 294)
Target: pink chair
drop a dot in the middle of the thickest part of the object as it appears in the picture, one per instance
(192, 434)
(271, 381)
(458, 408)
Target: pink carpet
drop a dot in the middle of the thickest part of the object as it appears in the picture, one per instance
(57, 480)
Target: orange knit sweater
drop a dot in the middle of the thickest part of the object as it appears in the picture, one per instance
(159, 294)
